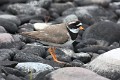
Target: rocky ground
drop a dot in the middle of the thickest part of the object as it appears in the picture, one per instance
(96, 54)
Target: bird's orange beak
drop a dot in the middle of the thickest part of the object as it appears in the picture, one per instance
(81, 28)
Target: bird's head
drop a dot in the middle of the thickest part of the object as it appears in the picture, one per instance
(73, 29)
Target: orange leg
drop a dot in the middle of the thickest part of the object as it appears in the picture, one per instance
(51, 50)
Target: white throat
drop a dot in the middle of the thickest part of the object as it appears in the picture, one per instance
(73, 30)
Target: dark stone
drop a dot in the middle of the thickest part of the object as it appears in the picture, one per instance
(90, 2)
(60, 7)
(12, 77)
(15, 72)
(42, 75)
(5, 54)
(101, 51)
(26, 28)
(17, 45)
(93, 49)
(41, 3)
(2, 30)
(26, 9)
(91, 14)
(26, 57)
(103, 31)
(76, 63)
(35, 49)
(114, 45)
(17, 1)
(8, 25)
(83, 57)
(11, 18)
(8, 63)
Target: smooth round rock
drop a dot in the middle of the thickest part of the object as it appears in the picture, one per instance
(107, 64)
(73, 73)
(8, 25)
(11, 18)
(6, 38)
(104, 30)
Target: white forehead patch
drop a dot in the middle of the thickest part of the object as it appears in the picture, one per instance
(80, 24)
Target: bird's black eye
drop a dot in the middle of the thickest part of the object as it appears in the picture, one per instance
(75, 25)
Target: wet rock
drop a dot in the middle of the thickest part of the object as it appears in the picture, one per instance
(90, 2)
(37, 50)
(11, 18)
(91, 14)
(8, 25)
(100, 31)
(107, 64)
(27, 57)
(76, 72)
(35, 67)
(2, 30)
(60, 7)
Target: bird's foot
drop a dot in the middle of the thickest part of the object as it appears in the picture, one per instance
(51, 50)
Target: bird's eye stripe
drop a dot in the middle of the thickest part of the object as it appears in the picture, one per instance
(80, 24)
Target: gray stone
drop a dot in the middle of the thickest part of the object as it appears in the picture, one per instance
(6, 38)
(12, 77)
(90, 2)
(11, 18)
(35, 67)
(84, 57)
(41, 3)
(8, 25)
(90, 14)
(107, 64)
(60, 7)
(5, 54)
(34, 49)
(26, 57)
(2, 30)
(26, 9)
(103, 31)
(73, 73)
